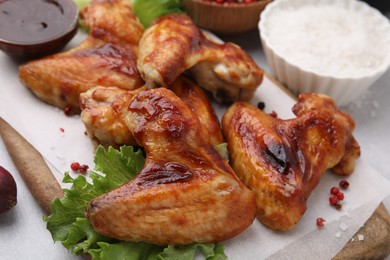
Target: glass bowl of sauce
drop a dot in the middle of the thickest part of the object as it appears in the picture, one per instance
(30, 28)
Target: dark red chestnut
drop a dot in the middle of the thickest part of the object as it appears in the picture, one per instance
(7, 190)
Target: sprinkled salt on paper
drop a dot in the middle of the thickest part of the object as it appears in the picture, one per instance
(343, 226)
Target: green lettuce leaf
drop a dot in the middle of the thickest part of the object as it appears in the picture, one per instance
(148, 10)
(81, 3)
(223, 151)
(68, 224)
(145, 10)
(209, 251)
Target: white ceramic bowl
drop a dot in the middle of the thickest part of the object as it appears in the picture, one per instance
(297, 62)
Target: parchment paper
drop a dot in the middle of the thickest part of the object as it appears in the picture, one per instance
(40, 124)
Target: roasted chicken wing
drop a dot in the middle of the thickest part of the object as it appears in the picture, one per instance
(112, 21)
(185, 193)
(173, 44)
(195, 98)
(104, 109)
(60, 78)
(105, 59)
(282, 161)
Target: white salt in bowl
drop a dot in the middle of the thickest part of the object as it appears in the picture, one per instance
(335, 47)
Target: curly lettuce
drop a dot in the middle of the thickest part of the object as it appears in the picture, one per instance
(68, 224)
(148, 10)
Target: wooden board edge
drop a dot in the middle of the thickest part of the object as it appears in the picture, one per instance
(374, 242)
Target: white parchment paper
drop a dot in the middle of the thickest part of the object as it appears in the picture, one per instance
(40, 124)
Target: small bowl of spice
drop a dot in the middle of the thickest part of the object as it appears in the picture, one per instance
(335, 47)
(31, 28)
(225, 16)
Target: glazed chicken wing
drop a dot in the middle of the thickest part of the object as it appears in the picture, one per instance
(59, 79)
(195, 98)
(112, 21)
(185, 193)
(173, 44)
(281, 161)
(104, 109)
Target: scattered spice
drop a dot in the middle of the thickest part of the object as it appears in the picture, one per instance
(320, 222)
(273, 114)
(261, 105)
(333, 200)
(75, 166)
(344, 184)
(334, 190)
(340, 195)
(62, 129)
(83, 168)
(67, 111)
(336, 196)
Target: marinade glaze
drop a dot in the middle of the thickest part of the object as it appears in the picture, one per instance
(33, 21)
(185, 193)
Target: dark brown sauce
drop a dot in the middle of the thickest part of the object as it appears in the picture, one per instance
(34, 21)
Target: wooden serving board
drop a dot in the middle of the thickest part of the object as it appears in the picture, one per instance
(376, 243)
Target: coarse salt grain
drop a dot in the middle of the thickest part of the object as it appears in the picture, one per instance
(338, 235)
(360, 237)
(61, 158)
(329, 37)
(347, 214)
(343, 226)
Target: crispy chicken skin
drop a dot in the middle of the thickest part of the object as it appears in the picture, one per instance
(60, 78)
(112, 21)
(101, 59)
(104, 109)
(282, 161)
(173, 44)
(186, 191)
(194, 97)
